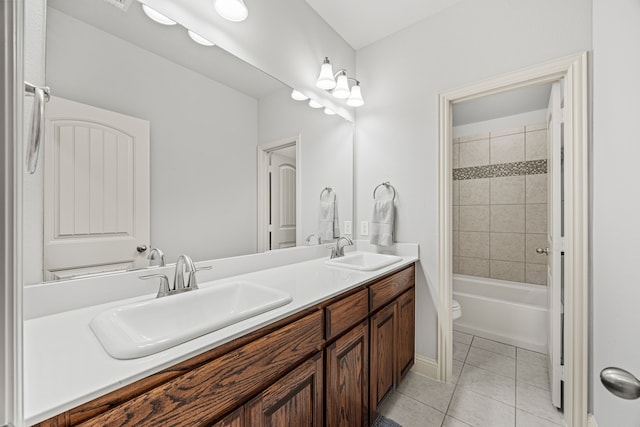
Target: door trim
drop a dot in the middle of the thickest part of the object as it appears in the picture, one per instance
(263, 189)
(574, 70)
(11, 172)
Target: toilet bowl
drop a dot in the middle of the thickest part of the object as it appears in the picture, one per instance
(456, 310)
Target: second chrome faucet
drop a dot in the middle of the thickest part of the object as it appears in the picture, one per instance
(338, 251)
(184, 265)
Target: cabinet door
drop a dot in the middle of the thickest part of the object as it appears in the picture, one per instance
(235, 419)
(294, 400)
(383, 355)
(406, 333)
(348, 379)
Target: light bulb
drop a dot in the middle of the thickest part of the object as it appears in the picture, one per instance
(355, 99)
(298, 96)
(157, 16)
(314, 104)
(342, 87)
(199, 39)
(325, 79)
(231, 10)
(329, 112)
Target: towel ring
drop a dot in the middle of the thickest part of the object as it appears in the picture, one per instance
(388, 185)
(330, 190)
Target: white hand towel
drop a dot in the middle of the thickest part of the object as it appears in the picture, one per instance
(382, 223)
(329, 225)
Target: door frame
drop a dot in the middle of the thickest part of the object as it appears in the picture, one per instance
(574, 70)
(11, 170)
(263, 189)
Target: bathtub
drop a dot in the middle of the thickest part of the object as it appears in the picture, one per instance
(508, 312)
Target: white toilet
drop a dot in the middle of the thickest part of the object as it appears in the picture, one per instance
(456, 310)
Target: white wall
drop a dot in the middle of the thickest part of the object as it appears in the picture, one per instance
(523, 119)
(615, 204)
(326, 153)
(203, 136)
(396, 130)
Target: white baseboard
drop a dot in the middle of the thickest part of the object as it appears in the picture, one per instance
(425, 366)
(591, 421)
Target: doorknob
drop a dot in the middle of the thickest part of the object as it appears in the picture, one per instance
(543, 251)
(141, 248)
(621, 383)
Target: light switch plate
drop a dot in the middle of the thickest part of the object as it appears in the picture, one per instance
(364, 228)
(347, 227)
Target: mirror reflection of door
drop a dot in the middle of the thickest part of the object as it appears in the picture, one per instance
(282, 198)
(96, 190)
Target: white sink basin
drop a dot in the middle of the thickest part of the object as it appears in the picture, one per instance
(145, 328)
(365, 261)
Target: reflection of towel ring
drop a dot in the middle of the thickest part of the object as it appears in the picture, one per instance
(389, 186)
(330, 190)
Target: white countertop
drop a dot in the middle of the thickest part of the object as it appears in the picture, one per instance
(66, 366)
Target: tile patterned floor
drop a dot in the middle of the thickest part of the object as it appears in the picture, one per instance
(493, 385)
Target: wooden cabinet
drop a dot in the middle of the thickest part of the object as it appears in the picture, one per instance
(330, 364)
(295, 400)
(347, 379)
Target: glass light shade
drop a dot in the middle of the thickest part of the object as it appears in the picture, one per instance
(199, 39)
(231, 10)
(329, 112)
(342, 87)
(157, 16)
(325, 79)
(314, 104)
(355, 99)
(298, 96)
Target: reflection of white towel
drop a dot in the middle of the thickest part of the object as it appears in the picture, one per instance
(329, 225)
(382, 223)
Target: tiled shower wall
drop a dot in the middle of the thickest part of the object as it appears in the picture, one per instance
(500, 204)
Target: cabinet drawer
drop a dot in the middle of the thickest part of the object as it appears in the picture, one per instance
(387, 289)
(345, 313)
(203, 394)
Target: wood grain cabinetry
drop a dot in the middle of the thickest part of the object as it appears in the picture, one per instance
(347, 379)
(330, 364)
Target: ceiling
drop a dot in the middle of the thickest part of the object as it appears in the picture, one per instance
(362, 22)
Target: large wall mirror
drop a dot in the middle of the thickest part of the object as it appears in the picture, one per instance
(193, 188)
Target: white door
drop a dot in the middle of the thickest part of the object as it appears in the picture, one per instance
(282, 172)
(554, 248)
(96, 195)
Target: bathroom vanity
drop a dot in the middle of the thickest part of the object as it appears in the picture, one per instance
(329, 361)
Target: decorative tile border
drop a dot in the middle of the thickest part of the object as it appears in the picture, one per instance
(531, 167)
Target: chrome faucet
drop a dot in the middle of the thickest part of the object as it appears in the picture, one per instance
(310, 236)
(338, 251)
(155, 253)
(183, 263)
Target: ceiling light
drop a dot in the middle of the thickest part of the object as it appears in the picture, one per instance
(326, 80)
(314, 104)
(329, 112)
(298, 96)
(355, 99)
(157, 16)
(342, 86)
(231, 10)
(199, 39)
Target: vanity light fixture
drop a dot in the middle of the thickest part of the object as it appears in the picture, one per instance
(298, 96)
(199, 39)
(329, 112)
(157, 16)
(231, 10)
(314, 104)
(340, 88)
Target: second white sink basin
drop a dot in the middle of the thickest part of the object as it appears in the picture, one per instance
(145, 328)
(365, 261)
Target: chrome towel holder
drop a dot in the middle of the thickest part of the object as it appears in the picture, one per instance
(388, 185)
(329, 190)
